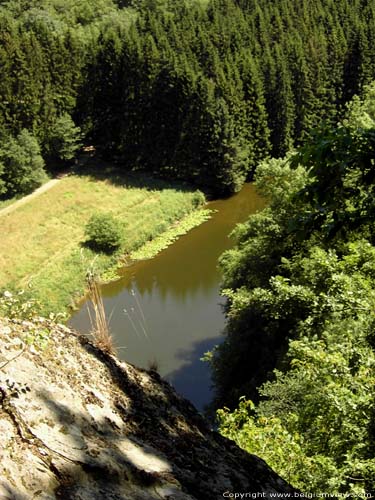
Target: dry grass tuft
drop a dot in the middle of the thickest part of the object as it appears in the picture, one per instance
(99, 324)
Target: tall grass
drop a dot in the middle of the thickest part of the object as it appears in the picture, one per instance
(99, 324)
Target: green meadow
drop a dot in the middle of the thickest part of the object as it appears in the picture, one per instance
(42, 248)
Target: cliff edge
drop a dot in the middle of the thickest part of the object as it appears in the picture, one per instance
(76, 423)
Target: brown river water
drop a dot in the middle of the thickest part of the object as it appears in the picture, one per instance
(168, 311)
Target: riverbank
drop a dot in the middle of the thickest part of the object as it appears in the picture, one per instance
(167, 310)
(42, 246)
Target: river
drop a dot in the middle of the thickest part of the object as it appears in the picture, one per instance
(167, 311)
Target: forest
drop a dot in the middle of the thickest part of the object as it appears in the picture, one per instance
(216, 93)
(302, 275)
(195, 90)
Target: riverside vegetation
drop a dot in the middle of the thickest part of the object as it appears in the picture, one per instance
(198, 91)
(43, 248)
(300, 287)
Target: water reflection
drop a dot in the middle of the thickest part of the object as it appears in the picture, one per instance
(168, 310)
(187, 380)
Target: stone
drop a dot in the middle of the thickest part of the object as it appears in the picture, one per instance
(76, 423)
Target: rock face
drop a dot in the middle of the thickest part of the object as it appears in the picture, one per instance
(75, 423)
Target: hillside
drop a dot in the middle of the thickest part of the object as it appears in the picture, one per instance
(90, 427)
(196, 90)
(300, 333)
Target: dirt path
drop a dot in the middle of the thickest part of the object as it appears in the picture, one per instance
(42, 189)
(81, 161)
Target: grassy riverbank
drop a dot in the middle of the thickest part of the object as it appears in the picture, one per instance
(41, 247)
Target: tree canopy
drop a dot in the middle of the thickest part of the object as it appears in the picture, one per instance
(196, 90)
(300, 336)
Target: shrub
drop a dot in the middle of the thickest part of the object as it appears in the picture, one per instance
(21, 164)
(198, 199)
(64, 139)
(103, 232)
(17, 305)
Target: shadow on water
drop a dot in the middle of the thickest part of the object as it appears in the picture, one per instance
(191, 379)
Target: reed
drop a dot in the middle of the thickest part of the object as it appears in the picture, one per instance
(98, 319)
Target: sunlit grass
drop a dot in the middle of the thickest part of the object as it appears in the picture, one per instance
(41, 242)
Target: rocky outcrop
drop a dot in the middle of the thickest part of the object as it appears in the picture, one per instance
(75, 423)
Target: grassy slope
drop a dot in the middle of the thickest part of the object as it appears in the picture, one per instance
(6, 203)
(40, 247)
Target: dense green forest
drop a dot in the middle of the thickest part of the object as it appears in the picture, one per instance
(300, 285)
(195, 90)
(204, 91)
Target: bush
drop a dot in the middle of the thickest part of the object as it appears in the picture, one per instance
(64, 139)
(18, 306)
(103, 232)
(21, 164)
(198, 199)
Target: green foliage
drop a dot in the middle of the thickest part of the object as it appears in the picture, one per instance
(200, 91)
(313, 426)
(53, 263)
(300, 343)
(103, 232)
(203, 91)
(247, 356)
(154, 246)
(37, 336)
(64, 139)
(198, 199)
(283, 450)
(340, 196)
(226, 84)
(21, 163)
(17, 306)
(361, 110)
